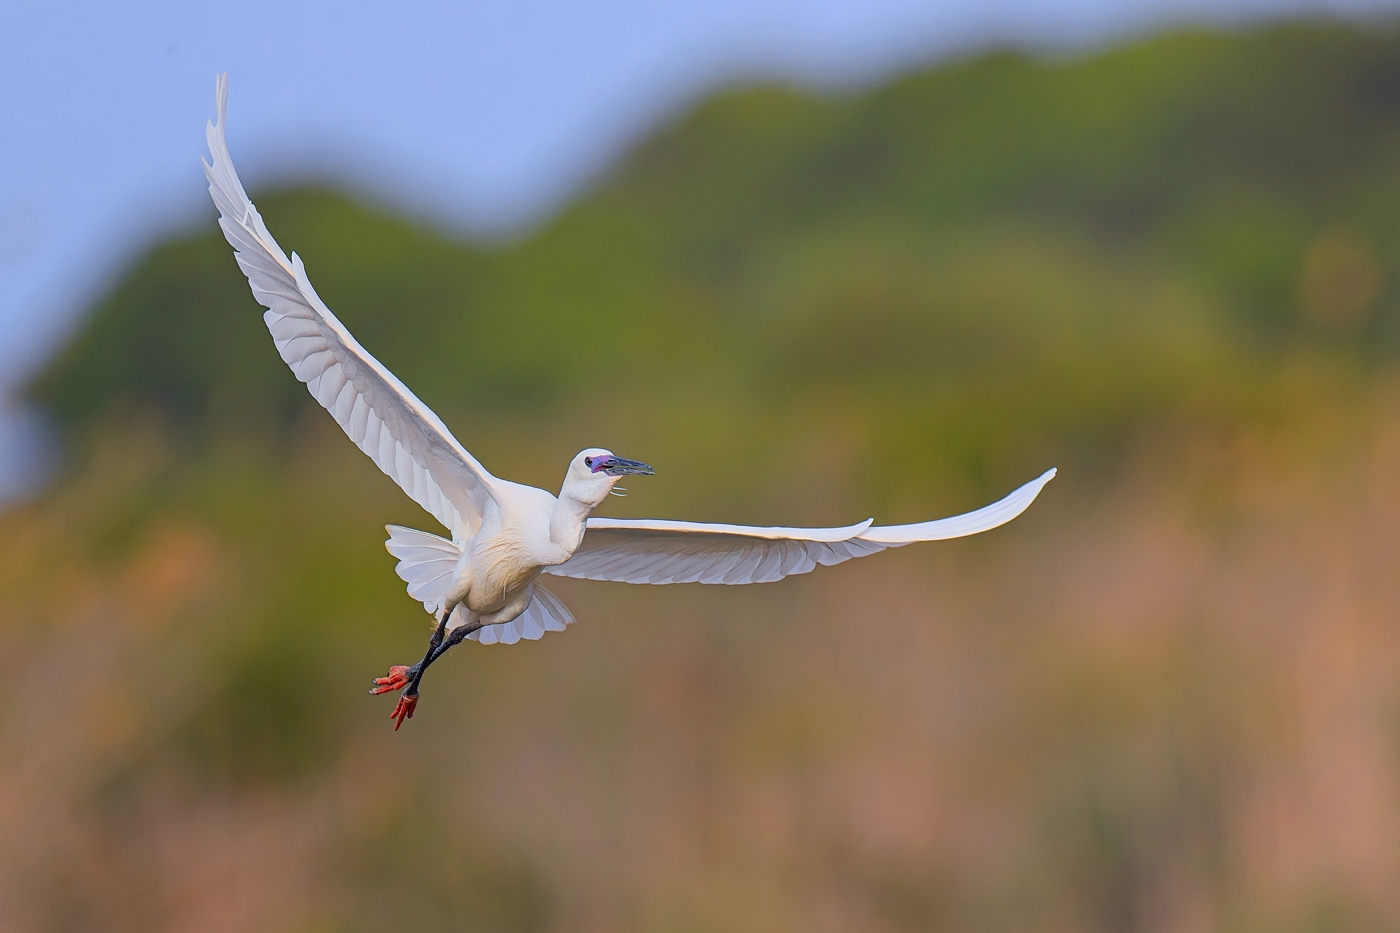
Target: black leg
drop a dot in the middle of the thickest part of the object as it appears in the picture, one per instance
(437, 648)
(416, 671)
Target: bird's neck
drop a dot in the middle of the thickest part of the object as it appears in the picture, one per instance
(567, 523)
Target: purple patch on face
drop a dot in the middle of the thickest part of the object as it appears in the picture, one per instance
(597, 464)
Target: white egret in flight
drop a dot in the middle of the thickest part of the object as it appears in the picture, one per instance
(482, 582)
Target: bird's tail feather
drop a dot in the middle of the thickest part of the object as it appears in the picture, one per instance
(545, 613)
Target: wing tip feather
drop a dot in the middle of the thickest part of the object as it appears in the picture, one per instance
(221, 94)
(998, 513)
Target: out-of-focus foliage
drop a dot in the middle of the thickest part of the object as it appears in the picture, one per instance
(1164, 699)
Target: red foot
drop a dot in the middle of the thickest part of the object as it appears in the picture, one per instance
(397, 679)
(404, 710)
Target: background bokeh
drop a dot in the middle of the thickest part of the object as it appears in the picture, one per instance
(1167, 698)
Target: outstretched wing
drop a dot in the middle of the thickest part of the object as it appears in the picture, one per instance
(647, 551)
(384, 419)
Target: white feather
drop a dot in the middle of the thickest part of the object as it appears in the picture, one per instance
(545, 613)
(426, 563)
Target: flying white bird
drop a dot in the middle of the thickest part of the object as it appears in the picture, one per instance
(482, 583)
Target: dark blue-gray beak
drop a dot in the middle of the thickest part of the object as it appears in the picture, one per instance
(621, 466)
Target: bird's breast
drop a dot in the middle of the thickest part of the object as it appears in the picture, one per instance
(497, 569)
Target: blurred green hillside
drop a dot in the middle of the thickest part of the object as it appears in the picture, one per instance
(1169, 269)
(987, 260)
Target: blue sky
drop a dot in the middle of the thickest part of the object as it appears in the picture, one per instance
(483, 116)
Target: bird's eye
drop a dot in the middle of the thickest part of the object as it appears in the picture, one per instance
(587, 461)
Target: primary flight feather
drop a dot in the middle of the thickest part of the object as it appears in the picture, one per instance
(482, 582)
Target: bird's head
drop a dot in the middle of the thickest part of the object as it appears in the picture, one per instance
(595, 472)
